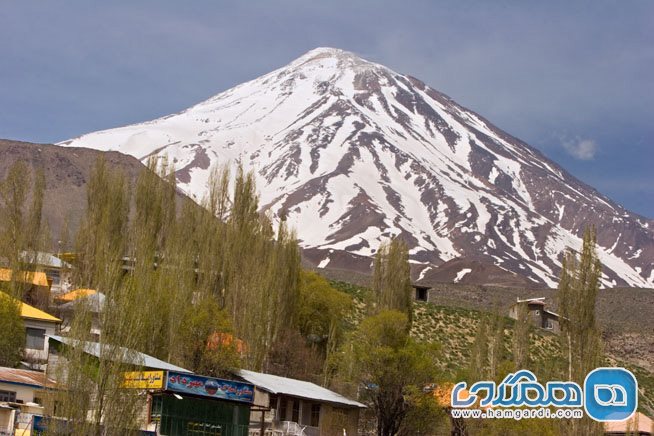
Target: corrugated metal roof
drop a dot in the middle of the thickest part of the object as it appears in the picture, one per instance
(297, 388)
(95, 303)
(45, 259)
(31, 312)
(25, 377)
(124, 354)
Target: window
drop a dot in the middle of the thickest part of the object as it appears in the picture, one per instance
(155, 408)
(282, 409)
(421, 294)
(272, 401)
(315, 415)
(548, 324)
(35, 338)
(296, 411)
(8, 396)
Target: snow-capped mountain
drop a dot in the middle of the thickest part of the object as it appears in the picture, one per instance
(353, 153)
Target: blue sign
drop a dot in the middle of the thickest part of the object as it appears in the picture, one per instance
(209, 387)
(610, 394)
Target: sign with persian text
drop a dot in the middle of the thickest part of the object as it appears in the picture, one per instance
(143, 380)
(210, 387)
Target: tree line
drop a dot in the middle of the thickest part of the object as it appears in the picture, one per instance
(188, 284)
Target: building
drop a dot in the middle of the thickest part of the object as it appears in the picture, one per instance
(21, 398)
(298, 408)
(57, 271)
(38, 325)
(638, 425)
(537, 313)
(175, 401)
(189, 404)
(95, 349)
(67, 305)
(421, 293)
(74, 295)
(37, 286)
(23, 386)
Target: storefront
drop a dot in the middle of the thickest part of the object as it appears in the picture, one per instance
(194, 405)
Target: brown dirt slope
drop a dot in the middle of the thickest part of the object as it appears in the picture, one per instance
(67, 171)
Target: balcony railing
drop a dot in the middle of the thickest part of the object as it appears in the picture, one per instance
(284, 428)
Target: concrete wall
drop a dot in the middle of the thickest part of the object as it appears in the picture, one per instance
(338, 421)
(50, 329)
(7, 420)
(23, 393)
(333, 420)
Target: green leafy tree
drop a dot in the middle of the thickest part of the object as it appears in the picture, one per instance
(390, 367)
(209, 346)
(320, 316)
(12, 338)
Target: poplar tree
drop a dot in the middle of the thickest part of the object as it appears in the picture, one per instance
(520, 341)
(478, 367)
(580, 334)
(101, 239)
(392, 278)
(260, 274)
(577, 296)
(20, 239)
(90, 397)
(496, 350)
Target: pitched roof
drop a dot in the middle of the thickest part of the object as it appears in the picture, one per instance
(31, 312)
(95, 302)
(638, 424)
(538, 300)
(75, 294)
(37, 278)
(297, 388)
(25, 377)
(46, 259)
(125, 355)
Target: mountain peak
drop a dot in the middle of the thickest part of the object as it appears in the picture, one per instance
(328, 52)
(334, 57)
(353, 153)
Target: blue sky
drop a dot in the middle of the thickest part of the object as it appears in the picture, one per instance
(573, 79)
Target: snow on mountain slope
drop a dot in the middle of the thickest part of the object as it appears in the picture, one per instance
(353, 153)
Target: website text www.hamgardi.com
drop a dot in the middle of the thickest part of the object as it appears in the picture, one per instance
(518, 414)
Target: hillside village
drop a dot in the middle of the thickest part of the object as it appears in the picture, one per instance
(161, 318)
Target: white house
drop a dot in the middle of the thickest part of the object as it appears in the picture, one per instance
(38, 324)
(296, 407)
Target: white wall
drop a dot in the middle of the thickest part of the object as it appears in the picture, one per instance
(50, 329)
(24, 393)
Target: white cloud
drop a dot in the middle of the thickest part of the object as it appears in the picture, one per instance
(583, 149)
